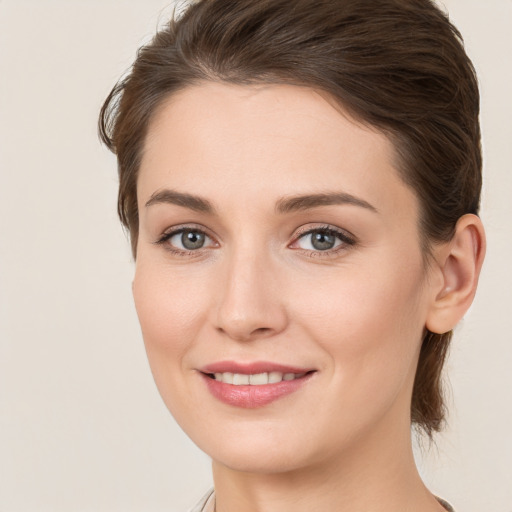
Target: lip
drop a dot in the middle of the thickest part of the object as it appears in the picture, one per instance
(252, 397)
(251, 368)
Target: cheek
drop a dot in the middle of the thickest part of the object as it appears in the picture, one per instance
(370, 323)
(171, 309)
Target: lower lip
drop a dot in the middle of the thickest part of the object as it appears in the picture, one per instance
(252, 397)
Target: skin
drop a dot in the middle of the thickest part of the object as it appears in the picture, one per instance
(258, 291)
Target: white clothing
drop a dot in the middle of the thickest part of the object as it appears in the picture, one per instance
(207, 503)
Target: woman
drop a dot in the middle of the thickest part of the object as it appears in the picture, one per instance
(301, 183)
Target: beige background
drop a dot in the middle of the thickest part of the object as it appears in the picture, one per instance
(81, 425)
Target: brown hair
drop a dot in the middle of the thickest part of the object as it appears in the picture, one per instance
(398, 65)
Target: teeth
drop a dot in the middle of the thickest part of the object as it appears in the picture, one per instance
(274, 377)
(224, 377)
(256, 379)
(239, 379)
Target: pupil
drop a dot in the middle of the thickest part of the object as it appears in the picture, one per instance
(323, 241)
(192, 240)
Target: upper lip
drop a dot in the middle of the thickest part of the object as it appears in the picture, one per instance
(252, 368)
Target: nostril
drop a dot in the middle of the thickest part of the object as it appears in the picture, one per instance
(244, 322)
(240, 335)
(262, 330)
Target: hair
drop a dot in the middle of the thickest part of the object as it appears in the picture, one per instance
(396, 65)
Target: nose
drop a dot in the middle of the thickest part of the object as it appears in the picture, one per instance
(250, 302)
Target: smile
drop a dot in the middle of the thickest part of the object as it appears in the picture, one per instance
(254, 379)
(254, 385)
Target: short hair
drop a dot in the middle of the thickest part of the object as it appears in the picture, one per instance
(396, 65)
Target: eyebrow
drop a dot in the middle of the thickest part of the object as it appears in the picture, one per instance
(283, 205)
(189, 201)
(305, 202)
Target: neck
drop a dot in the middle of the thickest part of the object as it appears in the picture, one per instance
(371, 476)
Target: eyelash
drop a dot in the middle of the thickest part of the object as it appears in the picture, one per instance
(176, 231)
(347, 240)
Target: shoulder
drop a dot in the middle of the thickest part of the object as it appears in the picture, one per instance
(206, 503)
(445, 504)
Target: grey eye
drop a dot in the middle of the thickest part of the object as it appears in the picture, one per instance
(319, 240)
(187, 239)
(192, 240)
(322, 241)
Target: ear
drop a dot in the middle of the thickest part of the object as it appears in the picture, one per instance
(459, 262)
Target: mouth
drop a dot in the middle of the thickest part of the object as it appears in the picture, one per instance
(253, 385)
(255, 379)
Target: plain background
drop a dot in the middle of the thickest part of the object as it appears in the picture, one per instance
(82, 427)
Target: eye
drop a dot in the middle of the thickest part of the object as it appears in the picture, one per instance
(185, 240)
(323, 239)
(189, 240)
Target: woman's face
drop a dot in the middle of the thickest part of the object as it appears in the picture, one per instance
(279, 281)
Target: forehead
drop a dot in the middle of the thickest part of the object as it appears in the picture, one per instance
(253, 143)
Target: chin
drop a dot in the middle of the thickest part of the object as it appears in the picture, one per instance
(265, 447)
(272, 460)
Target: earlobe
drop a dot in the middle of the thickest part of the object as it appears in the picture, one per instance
(460, 261)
